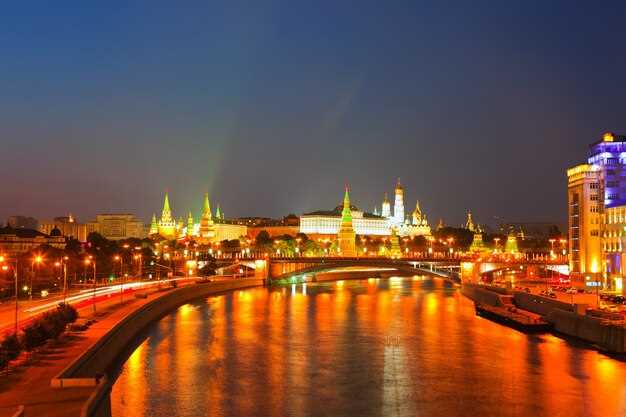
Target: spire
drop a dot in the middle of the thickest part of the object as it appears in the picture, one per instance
(190, 224)
(417, 214)
(469, 224)
(166, 214)
(346, 214)
(154, 227)
(346, 236)
(218, 213)
(206, 207)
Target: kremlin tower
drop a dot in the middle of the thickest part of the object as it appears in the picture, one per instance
(154, 226)
(167, 225)
(207, 228)
(346, 236)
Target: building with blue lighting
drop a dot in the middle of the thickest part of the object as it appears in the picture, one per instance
(597, 215)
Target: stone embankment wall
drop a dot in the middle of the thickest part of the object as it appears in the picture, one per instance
(605, 335)
(568, 319)
(543, 305)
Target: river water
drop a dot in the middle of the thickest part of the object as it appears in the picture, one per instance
(376, 347)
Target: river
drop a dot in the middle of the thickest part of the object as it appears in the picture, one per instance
(377, 347)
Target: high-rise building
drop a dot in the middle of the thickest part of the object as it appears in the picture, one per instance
(346, 236)
(585, 208)
(596, 209)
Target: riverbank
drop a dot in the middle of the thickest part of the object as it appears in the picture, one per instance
(78, 357)
(569, 319)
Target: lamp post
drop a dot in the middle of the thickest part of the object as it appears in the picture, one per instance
(121, 259)
(36, 260)
(87, 262)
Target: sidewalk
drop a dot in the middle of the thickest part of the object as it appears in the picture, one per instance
(29, 384)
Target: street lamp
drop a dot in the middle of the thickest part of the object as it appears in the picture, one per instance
(121, 259)
(36, 260)
(87, 262)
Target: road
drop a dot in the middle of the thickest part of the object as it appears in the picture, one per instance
(79, 298)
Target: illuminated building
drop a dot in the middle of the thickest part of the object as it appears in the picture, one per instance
(346, 236)
(511, 243)
(67, 225)
(116, 226)
(189, 232)
(584, 218)
(154, 226)
(14, 242)
(478, 245)
(167, 225)
(469, 224)
(326, 223)
(209, 229)
(206, 231)
(398, 206)
(386, 208)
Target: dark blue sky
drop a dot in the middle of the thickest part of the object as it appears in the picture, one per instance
(273, 106)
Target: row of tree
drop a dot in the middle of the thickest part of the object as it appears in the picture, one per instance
(48, 326)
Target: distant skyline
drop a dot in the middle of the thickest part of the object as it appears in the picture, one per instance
(273, 107)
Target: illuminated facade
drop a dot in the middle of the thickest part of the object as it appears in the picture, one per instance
(117, 226)
(585, 208)
(398, 206)
(207, 230)
(167, 226)
(346, 236)
(14, 242)
(327, 223)
(67, 225)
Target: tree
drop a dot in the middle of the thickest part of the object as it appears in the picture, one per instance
(10, 347)
(263, 238)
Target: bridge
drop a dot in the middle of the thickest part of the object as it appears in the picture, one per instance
(454, 269)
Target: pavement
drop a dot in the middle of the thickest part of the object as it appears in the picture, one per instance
(28, 382)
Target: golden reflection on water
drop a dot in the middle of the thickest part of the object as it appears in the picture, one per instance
(377, 347)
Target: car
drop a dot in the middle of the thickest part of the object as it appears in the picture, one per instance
(572, 291)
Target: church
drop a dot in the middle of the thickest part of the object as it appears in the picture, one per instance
(417, 225)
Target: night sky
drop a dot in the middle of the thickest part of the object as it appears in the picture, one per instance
(272, 107)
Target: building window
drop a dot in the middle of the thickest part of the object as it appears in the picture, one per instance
(612, 184)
